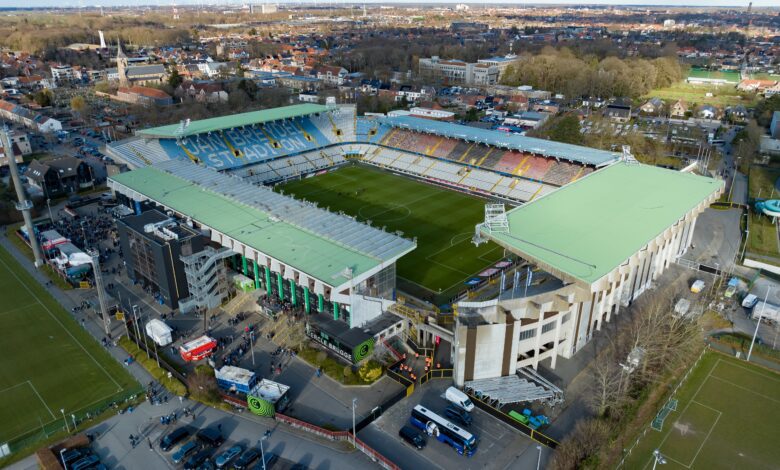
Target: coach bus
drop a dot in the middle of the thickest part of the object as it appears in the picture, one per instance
(460, 439)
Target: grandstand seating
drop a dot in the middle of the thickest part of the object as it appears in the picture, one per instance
(138, 151)
(482, 156)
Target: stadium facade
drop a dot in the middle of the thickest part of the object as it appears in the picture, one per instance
(331, 263)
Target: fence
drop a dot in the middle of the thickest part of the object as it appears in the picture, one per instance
(537, 436)
(74, 419)
(375, 456)
(436, 374)
(154, 352)
(674, 392)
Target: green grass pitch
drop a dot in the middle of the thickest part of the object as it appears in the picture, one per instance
(442, 220)
(726, 418)
(48, 362)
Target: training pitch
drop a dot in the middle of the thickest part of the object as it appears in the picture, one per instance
(442, 220)
(727, 417)
(48, 363)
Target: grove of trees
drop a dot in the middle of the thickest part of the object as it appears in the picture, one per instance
(561, 71)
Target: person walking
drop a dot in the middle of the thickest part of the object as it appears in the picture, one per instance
(149, 439)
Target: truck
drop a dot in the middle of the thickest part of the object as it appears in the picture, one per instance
(159, 331)
(235, 379)
(197, 349)
(458, 398)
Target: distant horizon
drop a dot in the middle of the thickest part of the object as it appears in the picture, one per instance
(89, 4)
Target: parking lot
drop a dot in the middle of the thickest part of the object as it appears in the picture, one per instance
(499, 446)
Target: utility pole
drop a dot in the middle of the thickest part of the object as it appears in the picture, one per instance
(758, 323)
(24, 205)
(101, 293)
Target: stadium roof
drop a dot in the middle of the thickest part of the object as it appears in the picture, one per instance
(576, 153)
(593, 225)
(235, 120)
(318, 243)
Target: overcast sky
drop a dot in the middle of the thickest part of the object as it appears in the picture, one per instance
(89, 3)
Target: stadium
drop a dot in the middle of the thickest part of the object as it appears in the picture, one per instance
(346, 215)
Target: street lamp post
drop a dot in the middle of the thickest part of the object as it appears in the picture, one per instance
(758, 323)
(73, 417)
(64, 465)
(262, 452)
(48, 204)
(354, 437)
(67, 426)
(539, 458)
(658, 458)
(252, 345)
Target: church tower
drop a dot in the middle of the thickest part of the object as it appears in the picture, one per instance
(121, 66)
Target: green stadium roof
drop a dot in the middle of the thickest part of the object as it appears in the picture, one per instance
(314, 255)
(235, 120)
(588, 228)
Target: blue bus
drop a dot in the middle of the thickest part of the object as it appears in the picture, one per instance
(434, 425)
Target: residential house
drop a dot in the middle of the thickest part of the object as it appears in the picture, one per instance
(28, 118)
(20, 144)
(331, 75)
(758, 86)
(679, 109)
(737, 113)
(653, 106)
(203, 92)
(618, 111)
(707, 111)
(59, 176)
(773, 90)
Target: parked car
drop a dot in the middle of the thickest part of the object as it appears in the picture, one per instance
(410, 435)
(211, 437)
(458, 414)
(185, 450)
(246, 459)
(86, 462)
(225, 457)
(270, 460)
(197, 460)
(173, 438)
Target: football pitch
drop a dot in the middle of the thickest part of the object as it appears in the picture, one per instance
(726, 417)
(49, 366)
(442, 220)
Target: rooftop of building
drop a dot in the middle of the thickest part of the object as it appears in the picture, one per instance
(138, 223)
(329, 247)
(586, 229)
(576, 153)
(235, 120)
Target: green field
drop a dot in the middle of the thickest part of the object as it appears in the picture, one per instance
(696, 95)
(442, 220)
(726, 417)
(48, 362)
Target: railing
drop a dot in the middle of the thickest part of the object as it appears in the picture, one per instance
(375, 456)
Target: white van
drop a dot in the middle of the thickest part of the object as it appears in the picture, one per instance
(458, 398)
(750, 301)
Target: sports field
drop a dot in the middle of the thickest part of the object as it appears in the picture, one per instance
(48, 362)
(442, 220)
(727, 417)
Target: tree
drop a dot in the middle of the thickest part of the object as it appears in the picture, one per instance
(565, 129)
(472, 114)
(78, 104)
(43, 98)
(175, 79)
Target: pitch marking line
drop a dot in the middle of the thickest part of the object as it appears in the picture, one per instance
(13, 386)
(707, 437)
(669, 432)
(8, 268)
(41, 399)
(56, 419)
(752, 371)
(746, 389)
(11, 310)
